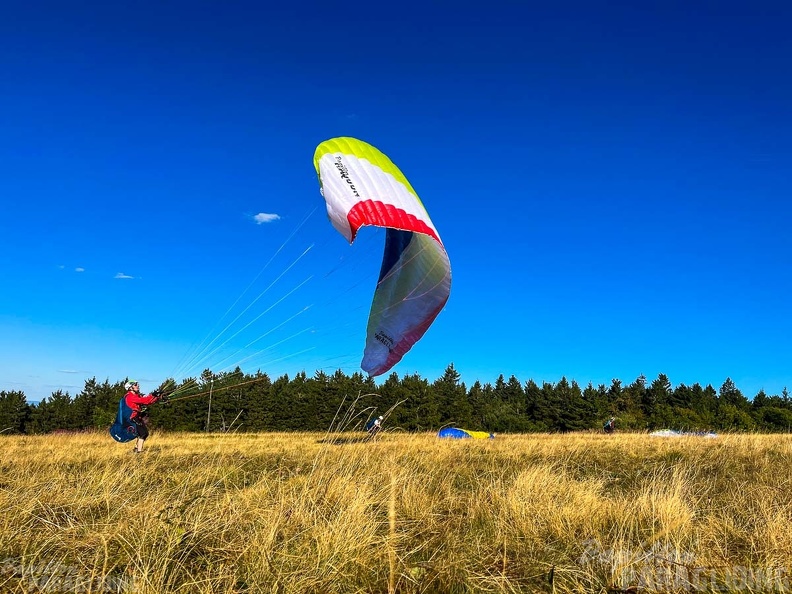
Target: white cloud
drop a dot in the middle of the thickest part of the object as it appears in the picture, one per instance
(68, 371)
(264, 217)
(122, 275)
(79, 269)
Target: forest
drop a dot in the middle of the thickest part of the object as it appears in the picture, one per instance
(236, 401)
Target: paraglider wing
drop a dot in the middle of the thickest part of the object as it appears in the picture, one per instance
(677, 433)
(455, 433)
(361, 186)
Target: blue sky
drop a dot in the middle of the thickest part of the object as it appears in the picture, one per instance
(611, 182)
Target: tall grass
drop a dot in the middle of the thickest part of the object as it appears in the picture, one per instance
(404, 513)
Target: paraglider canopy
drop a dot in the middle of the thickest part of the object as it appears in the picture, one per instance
(361, 186)
(454, 433)
(676, 433)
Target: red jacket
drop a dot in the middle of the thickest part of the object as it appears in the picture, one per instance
(135, 401)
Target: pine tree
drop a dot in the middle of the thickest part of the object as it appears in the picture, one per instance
(574, 413)
(452, 397)
(729, 394)
(390, 394)
(258, 403)
(14, 412)
(422, 411)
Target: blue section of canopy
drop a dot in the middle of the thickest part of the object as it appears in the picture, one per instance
(454, 433)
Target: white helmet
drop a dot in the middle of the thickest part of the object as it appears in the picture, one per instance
(129, 383)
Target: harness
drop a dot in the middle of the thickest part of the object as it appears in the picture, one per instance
(124, 429)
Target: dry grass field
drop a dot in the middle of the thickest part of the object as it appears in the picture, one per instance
(405, 513)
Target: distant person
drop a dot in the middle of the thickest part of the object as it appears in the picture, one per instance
(610, 426)
(374, 427)
(139, 405)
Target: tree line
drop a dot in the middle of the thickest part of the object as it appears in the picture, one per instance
(235, 401)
